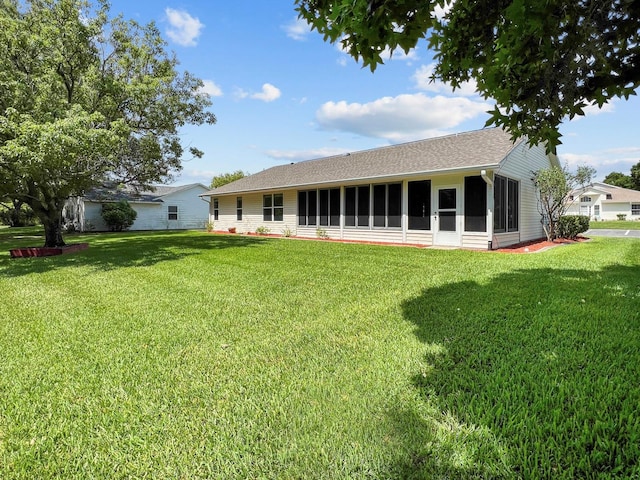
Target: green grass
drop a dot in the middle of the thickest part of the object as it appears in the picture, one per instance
(188, 355)
(616, 225)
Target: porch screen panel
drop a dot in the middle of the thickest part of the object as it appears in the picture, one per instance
(312, 207)
(419, 197)
(324, 207)
(499, 204)
(363, 206)
(475, 204)
(350, 206)
(334, 207)
(302, 208)
(394, 209)
(379, 205)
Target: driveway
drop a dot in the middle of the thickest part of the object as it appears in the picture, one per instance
(612, 233)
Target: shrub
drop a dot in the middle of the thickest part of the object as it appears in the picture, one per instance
(570, 226)
(262, 230)
(622, 216)
(118, 216)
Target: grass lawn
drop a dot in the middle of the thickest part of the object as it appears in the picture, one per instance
(616, 225)
(189, 355)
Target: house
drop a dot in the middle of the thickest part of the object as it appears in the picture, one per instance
(471, 190)
(600, 201)
(164, 208)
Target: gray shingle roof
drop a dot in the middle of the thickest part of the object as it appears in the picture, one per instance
(113, 193)
(477, 149)
(618, 194)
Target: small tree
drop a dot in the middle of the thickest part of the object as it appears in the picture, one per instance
(118, 216)
(553, 187)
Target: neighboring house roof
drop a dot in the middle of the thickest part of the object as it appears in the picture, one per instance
(618, 194)
(113, 193)
(478, 149)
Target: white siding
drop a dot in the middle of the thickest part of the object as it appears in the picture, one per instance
(520, 165)
(192, 212)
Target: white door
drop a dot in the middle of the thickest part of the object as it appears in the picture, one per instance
(446, 216)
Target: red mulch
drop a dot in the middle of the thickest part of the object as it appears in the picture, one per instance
(538, 245)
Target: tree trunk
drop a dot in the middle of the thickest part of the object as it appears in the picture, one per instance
(53, 232)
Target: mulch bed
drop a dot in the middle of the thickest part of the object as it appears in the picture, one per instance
(46, 251)
(539, 245)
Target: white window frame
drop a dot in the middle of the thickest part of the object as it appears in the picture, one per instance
(171, 213)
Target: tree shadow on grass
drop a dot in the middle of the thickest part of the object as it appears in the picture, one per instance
(532, 375)
(111, 251)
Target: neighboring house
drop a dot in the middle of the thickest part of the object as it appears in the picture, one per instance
(165, 208)
(600, 201)
(470, 190)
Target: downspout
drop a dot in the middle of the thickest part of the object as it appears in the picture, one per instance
(489, 182)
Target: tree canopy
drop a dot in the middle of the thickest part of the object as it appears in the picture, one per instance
(224, 178)
(619, 179)
(541, 61)
(87, 98)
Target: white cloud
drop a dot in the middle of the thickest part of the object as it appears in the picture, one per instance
(269, 93)
(422, 78)
(300, 155)
(593, 109)
(298, 29)
(210, 88)
(604, 161)
(401, 118)
(184, 29)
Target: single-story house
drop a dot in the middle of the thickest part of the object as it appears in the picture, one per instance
(600, 201)
(471, 190)
(164, 208)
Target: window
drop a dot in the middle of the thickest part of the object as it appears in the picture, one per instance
(419, 207)
(238, 208)
(215, 209)
(609, 196)
(596, 210)
(173, 212)
(475, 204)
(387, 205)
(356, 206)
(319, 207)
(635, 209)
(506, 203)
(273, 207)
(585, 199)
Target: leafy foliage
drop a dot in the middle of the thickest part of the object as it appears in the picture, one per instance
(16, 214)
(619, 180)
(541, 61)
(631, 181)
(118, 216)
(570, 226)
(224, 178)
(87, 99)
(553, 186)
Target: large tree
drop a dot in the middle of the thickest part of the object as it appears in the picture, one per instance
(224, 178)
(86, 99)
(541, 61)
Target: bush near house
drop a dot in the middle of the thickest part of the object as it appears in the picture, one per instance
(570, 226)
(118, 216)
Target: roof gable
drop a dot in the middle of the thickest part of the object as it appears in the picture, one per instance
(115, 193)
(485, 148)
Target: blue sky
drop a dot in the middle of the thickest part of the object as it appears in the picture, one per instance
(281, 94)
